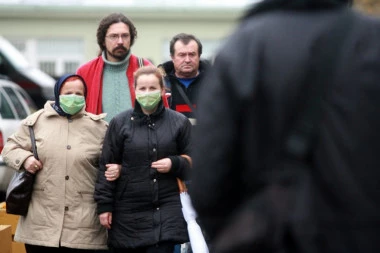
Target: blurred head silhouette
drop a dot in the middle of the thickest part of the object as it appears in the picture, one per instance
(268, 5)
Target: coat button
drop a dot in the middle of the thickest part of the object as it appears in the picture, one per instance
(70, 120)
(154, 180)
(68, 147)
(67, 177)
(154, 149)
(17, 161)
(66, 208)
(157, 208)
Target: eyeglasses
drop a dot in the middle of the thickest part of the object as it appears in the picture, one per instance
(115, 37)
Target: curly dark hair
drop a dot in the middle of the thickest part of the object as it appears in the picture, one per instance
(185, 39)
(107, 21)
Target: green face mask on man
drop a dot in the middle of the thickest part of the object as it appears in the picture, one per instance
(71, 104)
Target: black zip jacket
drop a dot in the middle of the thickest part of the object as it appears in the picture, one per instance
(145, 204)
(176, 102)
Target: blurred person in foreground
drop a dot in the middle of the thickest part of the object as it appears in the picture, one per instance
(142, 209)
(253, 94)
(109, 77)
(184, 71)
(62, 213)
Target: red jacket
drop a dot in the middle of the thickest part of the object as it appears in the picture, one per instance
(92, 73)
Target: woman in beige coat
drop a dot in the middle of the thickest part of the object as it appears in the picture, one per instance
(62, 213)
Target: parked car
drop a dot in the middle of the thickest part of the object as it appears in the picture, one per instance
(38, 84)
(15, 105)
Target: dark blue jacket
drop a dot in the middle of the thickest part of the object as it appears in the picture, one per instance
(176, 101)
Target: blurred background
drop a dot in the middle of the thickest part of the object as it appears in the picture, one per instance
(57, 36)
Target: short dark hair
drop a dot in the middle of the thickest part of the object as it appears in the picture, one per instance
(107, 21)
(185, 39)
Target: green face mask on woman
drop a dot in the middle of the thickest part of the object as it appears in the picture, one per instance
(71, 104)
(148, 100)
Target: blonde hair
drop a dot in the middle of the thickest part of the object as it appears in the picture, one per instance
(148, 70)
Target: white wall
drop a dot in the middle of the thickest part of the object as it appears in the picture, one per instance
(155, 29)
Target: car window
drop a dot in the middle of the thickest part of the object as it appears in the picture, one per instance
(5, 108)
(28, 100)
(20, 109)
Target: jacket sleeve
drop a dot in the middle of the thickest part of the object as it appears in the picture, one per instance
(181, 166)
(111, 153)
(17, 148)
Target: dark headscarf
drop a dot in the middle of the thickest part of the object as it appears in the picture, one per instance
(57, 89)
(269, 5)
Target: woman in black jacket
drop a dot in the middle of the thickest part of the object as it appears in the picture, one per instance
(142, 208)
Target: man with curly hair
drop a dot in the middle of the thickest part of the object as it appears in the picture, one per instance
(109, 74)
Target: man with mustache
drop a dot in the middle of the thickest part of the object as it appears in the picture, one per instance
(109, 77)
(184, 72)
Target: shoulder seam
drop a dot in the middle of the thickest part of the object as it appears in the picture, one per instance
(31, 120)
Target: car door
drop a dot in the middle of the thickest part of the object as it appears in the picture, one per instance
(10, 119)
(15, 105)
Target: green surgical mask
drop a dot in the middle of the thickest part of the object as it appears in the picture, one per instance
(71, 104)
(148, 100)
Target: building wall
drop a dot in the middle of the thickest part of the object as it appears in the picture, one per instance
(155, 29)
(149, 42)
(76, 24)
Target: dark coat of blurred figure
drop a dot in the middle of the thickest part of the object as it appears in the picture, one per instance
(254, 91)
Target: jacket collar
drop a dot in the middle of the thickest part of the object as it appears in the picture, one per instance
(50, 112)
(168, 67)
(139, 114)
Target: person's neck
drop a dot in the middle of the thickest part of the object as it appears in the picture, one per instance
(189, 76)
(120, 62)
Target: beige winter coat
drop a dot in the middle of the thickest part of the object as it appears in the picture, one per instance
(62, 210)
